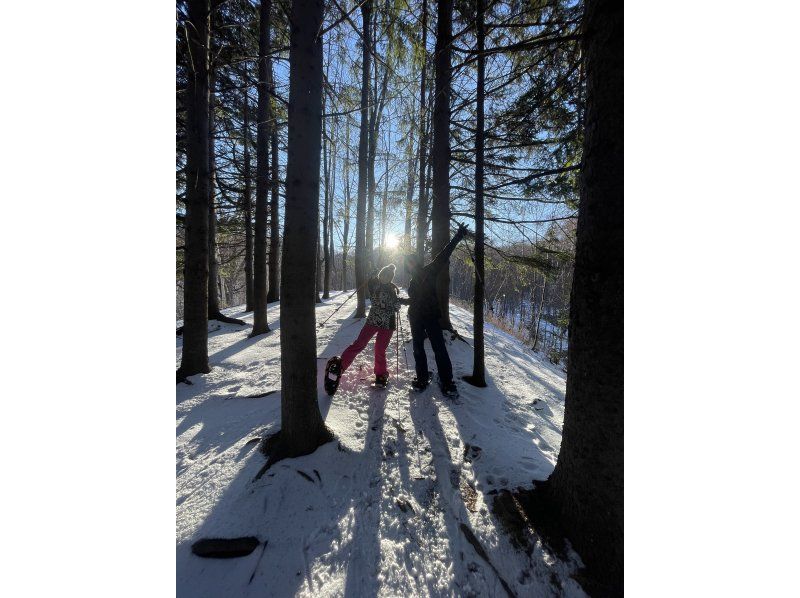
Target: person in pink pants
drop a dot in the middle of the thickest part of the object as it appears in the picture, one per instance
(381, 321)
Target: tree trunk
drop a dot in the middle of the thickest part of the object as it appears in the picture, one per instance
(317, 267)
(347, 204)
(384, 207)
(216, 285)
(361, 202)
(409, 207)
(587, 484)
(248, 211)
(213, 250)
(194, 355)
(422, 213)
(326, 282)
(302, 426)
(539, 314)
(440, 210)
(331, 253)
(478, 377)
(374, 128)
(260, 324)
(274, 291)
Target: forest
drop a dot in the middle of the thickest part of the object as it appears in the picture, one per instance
(318, 141)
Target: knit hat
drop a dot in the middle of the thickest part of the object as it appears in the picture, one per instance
(386, 274)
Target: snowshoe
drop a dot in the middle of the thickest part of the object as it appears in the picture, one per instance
(449, 389)
(333, 373)
(380, 381)
(420, 385)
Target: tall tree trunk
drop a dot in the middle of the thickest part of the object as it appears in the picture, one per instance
(440, 210)
(216, 286)
(347, 205)
(302, 426)
(248, 211)
(384, 207)
(587, 483)
(260, 324)
(213, 250)
(317, 267)
(326, 282)
(409, 206)
(374, 128)
(370, 232)
(478, 377)
(274, 292)
(361, 202)
(194, 355)
(422, 213)
(539, 314)
(331, 253)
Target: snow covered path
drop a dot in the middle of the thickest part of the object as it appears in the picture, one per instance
(387, 510)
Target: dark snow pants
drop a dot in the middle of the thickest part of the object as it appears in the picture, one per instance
(419, 327)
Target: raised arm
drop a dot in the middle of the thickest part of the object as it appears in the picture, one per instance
(441, 259)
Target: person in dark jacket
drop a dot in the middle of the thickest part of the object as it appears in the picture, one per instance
(424, 315)
(381, 321)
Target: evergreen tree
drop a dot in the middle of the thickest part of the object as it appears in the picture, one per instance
(302, 426)
(587, 484)
(260, 324)
(194, 355)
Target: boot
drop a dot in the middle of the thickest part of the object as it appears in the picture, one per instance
(333, 373)
(420, 385)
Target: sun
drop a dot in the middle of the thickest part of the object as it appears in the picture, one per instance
(392, 241)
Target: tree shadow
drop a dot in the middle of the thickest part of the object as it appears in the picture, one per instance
(320, 509)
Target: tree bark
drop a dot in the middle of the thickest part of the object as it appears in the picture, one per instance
(361, 201)
(260, 324)
(384, 208)
(587, 484)
(274, 291)
(213, 251)
(440, 209)
(374, 127)
(317, 267)
(478, 377)
(302, 426)
(409, 206)
(194, 355)
(539, 313)
(215, 283)
(326, 282)
(347, 205)
(248, 211)
(331, 253)
(422, 213)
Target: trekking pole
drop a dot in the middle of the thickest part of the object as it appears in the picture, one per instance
(325, 321)
(397, 347)
(402, 341)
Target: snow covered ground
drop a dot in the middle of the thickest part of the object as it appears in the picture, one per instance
(386, 510)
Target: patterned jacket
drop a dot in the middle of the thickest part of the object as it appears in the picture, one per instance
(384, 304)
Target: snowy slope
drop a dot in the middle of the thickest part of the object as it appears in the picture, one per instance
(380, 513)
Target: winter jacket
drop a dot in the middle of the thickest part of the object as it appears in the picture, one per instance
(384, 304)
(423, 303)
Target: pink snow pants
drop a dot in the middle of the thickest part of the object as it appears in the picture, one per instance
(367, 332)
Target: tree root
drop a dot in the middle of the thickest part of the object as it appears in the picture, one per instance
(472, 381)
(276, 449)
